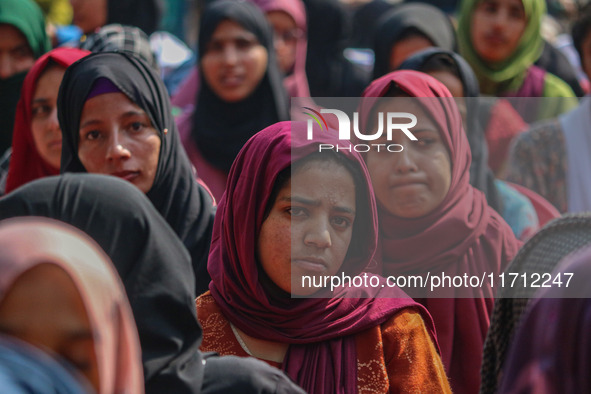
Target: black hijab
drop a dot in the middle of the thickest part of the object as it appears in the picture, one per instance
(420, 18)
(153, 264)
(330, 73)
(481, 176)
(186, 205)
(220, 129)
(145, 14)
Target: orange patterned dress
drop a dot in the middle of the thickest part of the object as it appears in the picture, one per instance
(396, 356)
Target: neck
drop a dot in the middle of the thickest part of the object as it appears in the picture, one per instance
(260, 348)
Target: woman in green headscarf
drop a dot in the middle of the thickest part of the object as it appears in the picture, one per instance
(22, 40)
(501, 40)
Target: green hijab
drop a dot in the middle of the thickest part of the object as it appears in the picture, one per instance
(509, 74)
(26, 16)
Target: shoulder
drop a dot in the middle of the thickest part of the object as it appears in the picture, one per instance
(540, 136)
(556, 87)
(217, 332)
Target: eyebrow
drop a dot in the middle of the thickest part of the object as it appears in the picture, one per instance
(90, 122)
(130, 114)
(316, 203)
(425, 130)
(39, 100)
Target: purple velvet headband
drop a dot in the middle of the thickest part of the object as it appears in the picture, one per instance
(102, 86)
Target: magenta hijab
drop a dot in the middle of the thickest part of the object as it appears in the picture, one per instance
(462, 235)
(296, 81)
(322, 356)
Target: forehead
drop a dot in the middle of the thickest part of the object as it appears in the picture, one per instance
(410, 105)
(109, 105)
(451, 82)
(11, 37)
(229, 29)
(508, 3)
(50, 78)
(281, 19)
(319, 178)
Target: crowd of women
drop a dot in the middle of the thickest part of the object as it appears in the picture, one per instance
(161, 207)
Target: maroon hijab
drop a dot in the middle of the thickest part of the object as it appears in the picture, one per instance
(322, 355)
(26, 164)
(462, 235)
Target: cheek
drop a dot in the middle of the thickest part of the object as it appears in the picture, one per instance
(341, 249)
(477, 27)
(379, 170)
(152, 151)
(24, 64)
(517, 27)
(256, 62)
(208, 67)
(274, 251)
(441, 173)
(37, 130)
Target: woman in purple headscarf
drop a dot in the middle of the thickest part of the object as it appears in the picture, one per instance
(282, 191)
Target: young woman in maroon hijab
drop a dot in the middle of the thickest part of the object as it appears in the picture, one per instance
(432, 219)
(281, 191)
(36, 139)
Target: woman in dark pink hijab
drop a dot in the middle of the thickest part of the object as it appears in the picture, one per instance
(432, 221)
(282, 192)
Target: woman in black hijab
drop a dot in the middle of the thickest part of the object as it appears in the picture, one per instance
(423, 23)
(186, 205)
(240, 88)
(447, 66)
(155, 269)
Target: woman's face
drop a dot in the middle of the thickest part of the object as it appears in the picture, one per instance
(15, 53)
(89, 15)
(404, 48)
(44, 308)
(496, 29)
(116, 137)
(285, 38)
(45, 127)
(411, 183)
(314, 213)
(234, 62)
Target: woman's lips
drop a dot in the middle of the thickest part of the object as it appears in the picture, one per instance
(310, 264)
(56, 144)
(127, 175)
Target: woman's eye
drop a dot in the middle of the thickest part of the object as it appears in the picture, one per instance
(244, 44)
(92, 135)
(213, 47)
(426, 141)
(296, 211)
(516, 13)
(341, 222)
(40, 110)
(489, 8)
(136, 126)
